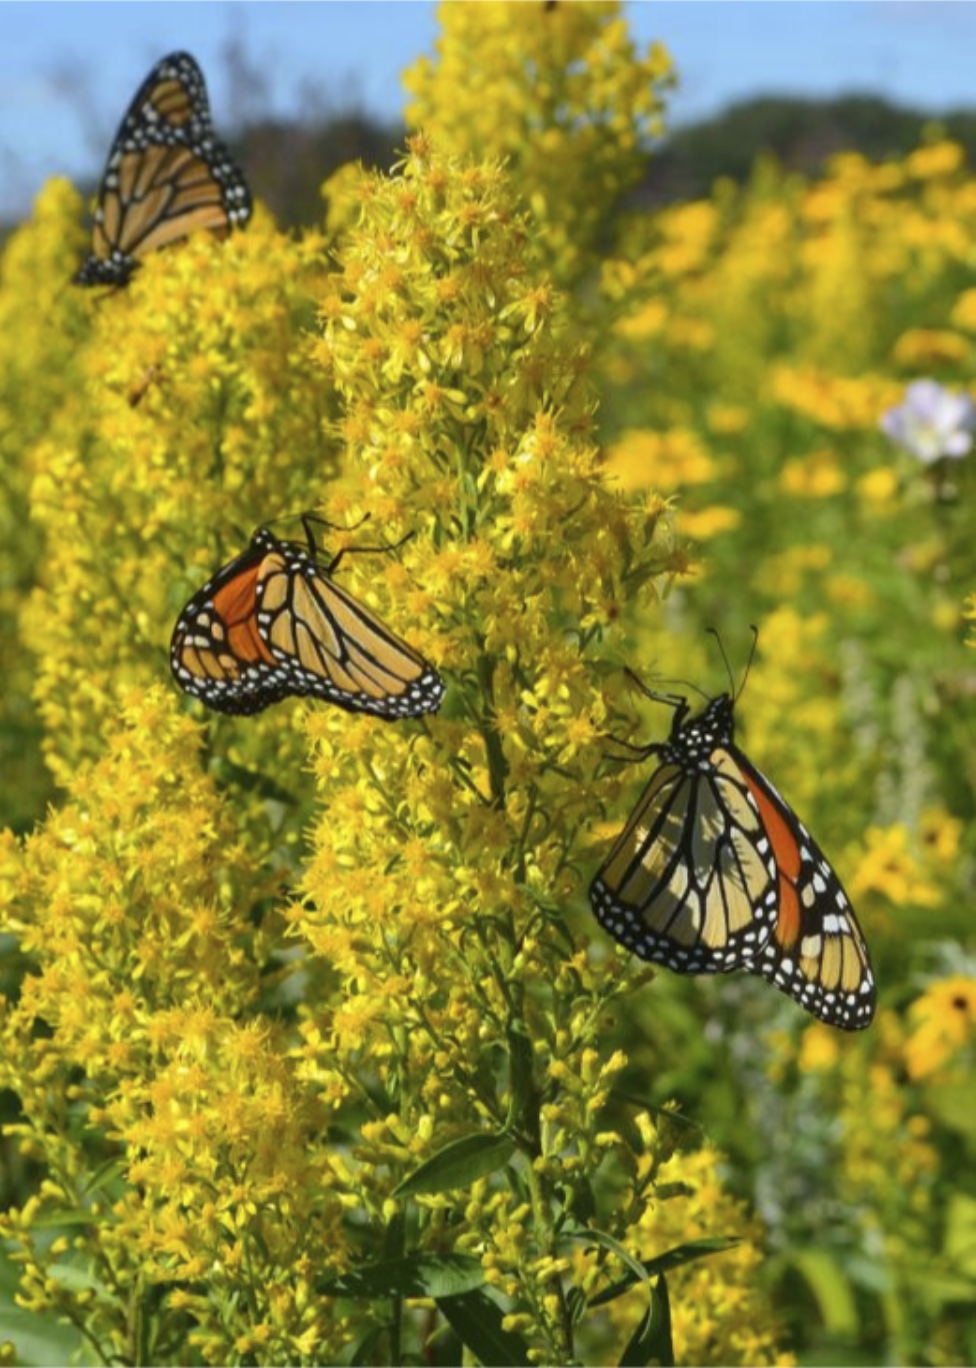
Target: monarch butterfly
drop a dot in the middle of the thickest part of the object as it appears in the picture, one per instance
(167, 175)
(274, 623)
(715, 872)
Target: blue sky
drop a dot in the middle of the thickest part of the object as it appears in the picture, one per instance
(68, 70)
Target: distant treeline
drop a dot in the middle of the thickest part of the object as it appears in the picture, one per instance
(287, 162)
(802, 134)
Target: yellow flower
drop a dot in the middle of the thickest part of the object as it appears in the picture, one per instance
(709, 522)
(878, 487)
(816, 475)
(943, 1020)
(667, 460)
(923, 349)
(939, 160)
(964, 312)
(819, 1049)
(888, 867)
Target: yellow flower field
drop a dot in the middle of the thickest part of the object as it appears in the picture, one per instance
(312, 1048)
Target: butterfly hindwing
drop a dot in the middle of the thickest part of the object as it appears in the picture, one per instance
(168, 175)
(714, 872)
(273, 624)
(332, 647)
(817, 954)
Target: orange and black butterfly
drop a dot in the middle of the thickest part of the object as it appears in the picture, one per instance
(273, 623)
(168, 175)
(715, 872)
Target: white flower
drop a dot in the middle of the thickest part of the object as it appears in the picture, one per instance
(932, 422)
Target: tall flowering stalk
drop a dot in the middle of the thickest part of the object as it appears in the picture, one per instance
(444, 886)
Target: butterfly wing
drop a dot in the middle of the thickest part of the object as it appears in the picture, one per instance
(687, 883)
(168, 175)
(329, 645)
(217, 653)
(816, 953)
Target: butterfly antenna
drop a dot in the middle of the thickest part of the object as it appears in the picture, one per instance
(672, 700)
(737, 692)
(728, 668)
(752, 655)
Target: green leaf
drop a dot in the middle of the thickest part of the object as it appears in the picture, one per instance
(459, 1164)
(77, 1279)
(524, 1108)
(832, 1291)
(418, 1275)
(673, 1258)
(651, 1341)
(40, 1341)
(960, 1234)
(476, 1318)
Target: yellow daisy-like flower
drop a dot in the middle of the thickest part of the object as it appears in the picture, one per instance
(942, 1021)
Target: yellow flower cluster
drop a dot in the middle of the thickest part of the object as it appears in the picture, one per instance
(137, 1039)
(561, 93)
(141, 503)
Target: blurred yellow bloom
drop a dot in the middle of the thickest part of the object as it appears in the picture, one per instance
(889, 868)
(819, 1048)
(719, 1312)
(647, 322)
(849, 591)
(943, 1020)
(667, 461)
(939, 160)
(691, 334)
(727, 419)
(923, 349)
(836, 402)
(878, 487)
(814, 476)
(964, 312)
(708, 522)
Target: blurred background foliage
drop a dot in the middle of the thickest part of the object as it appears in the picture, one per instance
(755, 296)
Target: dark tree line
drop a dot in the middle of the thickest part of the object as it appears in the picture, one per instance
(288, 160)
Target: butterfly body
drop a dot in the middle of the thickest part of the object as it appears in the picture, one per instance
(273, 623)
(715, 873)
(168, 175)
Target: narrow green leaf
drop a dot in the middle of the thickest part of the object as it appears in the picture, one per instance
(524, 1108)
(418, 1275)
(459, 1164)
(651, 1341)
(476, 1318)
(600, 1237)
(827, 1280)
(673, 1258)
(104, 1175)
(54, 1220)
